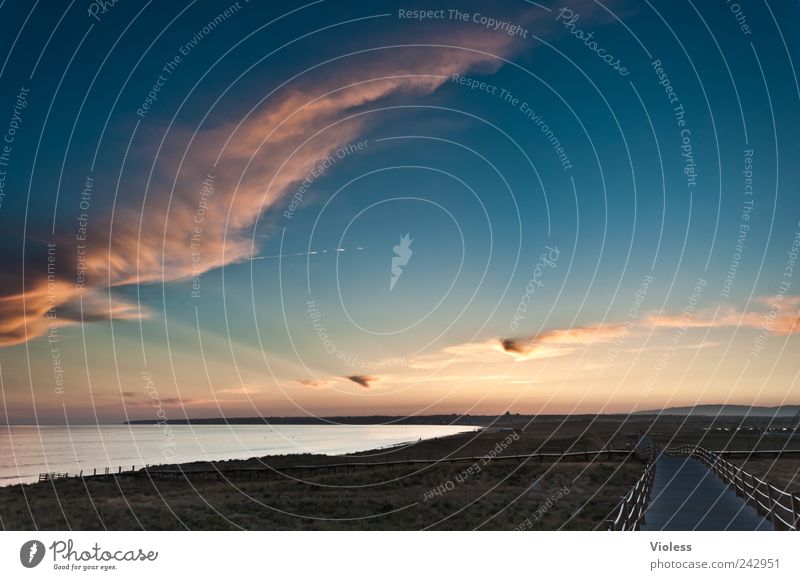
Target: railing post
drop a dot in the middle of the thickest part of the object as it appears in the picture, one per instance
(771, 502)
(739, 487)
(795, 499)
(623, 512)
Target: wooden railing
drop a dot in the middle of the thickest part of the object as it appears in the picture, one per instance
(103, 471)
(207, 471)
(781, 507)
(630, 513)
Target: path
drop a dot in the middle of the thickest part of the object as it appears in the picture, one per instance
(687, 496)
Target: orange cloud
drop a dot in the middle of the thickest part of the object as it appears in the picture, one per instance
(252, 165)
(571, 338)
(778, 317)
(547, 344)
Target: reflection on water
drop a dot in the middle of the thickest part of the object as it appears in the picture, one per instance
(27, 451)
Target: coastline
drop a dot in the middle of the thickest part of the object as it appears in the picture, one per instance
(402, 487)
(186, 447)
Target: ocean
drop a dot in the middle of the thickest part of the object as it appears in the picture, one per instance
(28, 450)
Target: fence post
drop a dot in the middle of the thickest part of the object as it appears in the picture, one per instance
(624, 513)
(739, 487)
(771, 501)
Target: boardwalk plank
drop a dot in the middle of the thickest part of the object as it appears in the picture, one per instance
(687, 496)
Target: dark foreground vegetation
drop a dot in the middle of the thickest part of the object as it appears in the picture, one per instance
(483, 491)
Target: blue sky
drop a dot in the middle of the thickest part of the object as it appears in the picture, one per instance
(556, 150)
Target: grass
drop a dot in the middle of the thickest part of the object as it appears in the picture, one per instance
(477, 494)
(473, 494)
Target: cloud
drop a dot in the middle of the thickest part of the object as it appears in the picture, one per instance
(559, 341)
(362, 380)
(235, 171)
(313, 383)
(176, 401)
(547, 344)
(145, 401)
(246, 389)
(777, 317)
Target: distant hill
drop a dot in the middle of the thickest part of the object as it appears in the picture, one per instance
(783, 412)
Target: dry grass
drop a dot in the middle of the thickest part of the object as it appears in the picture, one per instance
(499, 495)
(782, 472)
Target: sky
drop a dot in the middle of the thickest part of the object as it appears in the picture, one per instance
(353, 208)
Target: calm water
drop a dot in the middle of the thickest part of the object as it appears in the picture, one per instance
(27, 451)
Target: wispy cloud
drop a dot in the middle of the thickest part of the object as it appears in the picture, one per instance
(778, 317)
(313, 383)
(255, 163)
(775, 317)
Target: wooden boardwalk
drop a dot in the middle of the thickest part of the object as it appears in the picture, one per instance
(688, 496)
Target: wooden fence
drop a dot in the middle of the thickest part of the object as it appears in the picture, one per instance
(266, 471)
(630, 513)
(102, 472)
(781, 507)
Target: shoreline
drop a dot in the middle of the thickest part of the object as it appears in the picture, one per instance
(288, 459)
